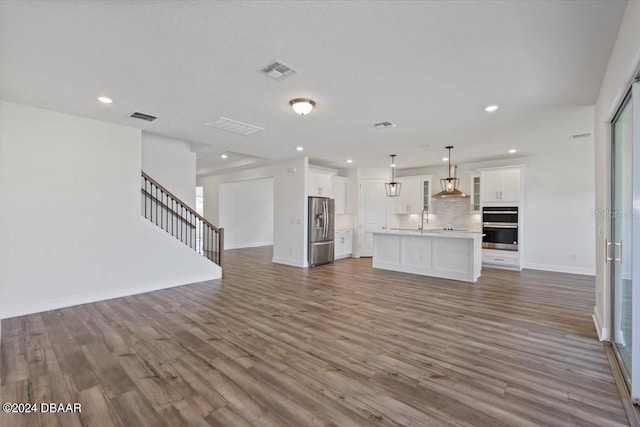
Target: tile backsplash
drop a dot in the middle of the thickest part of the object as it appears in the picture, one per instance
(344, 222)
(444, 213)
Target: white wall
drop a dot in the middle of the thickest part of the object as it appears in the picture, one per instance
(172, 163)
(558, 204)
(246, 213)
(623, 66)
(290, 205)
(70, 224)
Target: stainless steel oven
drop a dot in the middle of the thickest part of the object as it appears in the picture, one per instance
(500, 227)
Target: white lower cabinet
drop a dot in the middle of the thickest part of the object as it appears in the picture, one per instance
(343, 243)
(501, 259)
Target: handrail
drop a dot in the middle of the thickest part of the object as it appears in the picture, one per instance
(164, 209)
(184, 205)
(169, 208)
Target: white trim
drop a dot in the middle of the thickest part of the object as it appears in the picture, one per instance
(604, 334)
(248, 245)
(290, 261)
(561, 269)
(90, 297)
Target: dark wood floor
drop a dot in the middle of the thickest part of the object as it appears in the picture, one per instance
(340, 344)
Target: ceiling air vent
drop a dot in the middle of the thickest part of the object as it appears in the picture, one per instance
(384, 125)
(234, 126)
(143, 116)
(278, 70)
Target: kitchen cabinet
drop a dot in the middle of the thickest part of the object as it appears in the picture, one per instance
(500, 185)
(475, 193)
(319, 183)
(343, 243)
(339, 191)
(415, 194)
(501, 259)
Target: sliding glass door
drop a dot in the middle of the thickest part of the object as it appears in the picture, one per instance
(624, 251)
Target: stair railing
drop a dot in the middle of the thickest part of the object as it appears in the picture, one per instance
(175, 217)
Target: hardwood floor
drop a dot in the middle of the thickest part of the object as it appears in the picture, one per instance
(340, 344)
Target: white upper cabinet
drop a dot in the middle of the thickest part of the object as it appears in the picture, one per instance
(319, 183)
(339, 190)
(475, 193)
(415, 194)
(500, 185)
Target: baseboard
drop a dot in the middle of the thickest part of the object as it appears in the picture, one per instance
(248, 245)
(290, 261)
(70, 301)
(604, 334)
(561, 269)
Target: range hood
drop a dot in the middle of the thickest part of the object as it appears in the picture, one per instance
(450, 184)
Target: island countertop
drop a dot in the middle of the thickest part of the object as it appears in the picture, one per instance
(448, 234)
(447, 254)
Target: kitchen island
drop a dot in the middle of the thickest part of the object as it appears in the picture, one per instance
(438, 253)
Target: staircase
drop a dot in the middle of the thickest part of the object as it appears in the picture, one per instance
(172, 215)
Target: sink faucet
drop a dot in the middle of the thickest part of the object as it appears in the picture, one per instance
(424, 211)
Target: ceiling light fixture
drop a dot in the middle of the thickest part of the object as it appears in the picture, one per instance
(393, 188)
(513, 150)
(105, 100)
(450, 183)
(223, 155)
(302, 106)
(444, 159)
(299, 148)
(349, 161)
(491, 108)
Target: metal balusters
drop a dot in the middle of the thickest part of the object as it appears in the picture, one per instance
(176, 218)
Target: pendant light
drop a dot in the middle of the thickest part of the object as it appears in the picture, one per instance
(450, 183)
(393, 188)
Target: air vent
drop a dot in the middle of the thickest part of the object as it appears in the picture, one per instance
(384, 125)
(234, 126)
(580, 135)
(143, 116)
(278, 70)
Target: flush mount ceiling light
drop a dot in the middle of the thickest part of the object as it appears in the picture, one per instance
(393, 188)
(299, 148)
(105, 100)
(491, 108)
(302, 106)
(349, 161)
(444, 159)
(223, 155)
(513, 150)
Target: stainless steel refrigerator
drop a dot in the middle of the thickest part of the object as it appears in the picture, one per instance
(321, 248)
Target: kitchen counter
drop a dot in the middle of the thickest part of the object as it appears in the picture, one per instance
(438, 253)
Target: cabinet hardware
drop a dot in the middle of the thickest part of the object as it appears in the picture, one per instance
(607, 245)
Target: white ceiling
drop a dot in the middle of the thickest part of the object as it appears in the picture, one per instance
(429, 67)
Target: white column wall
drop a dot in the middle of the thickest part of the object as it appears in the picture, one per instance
(172, 163)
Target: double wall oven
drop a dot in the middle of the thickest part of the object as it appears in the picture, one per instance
(500, 227)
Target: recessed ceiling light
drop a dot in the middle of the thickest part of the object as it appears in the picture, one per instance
(513, 150)
(491, 108)
(300, 148)
(349, 161)
(105, 100)
(444, 159)
(224, 156)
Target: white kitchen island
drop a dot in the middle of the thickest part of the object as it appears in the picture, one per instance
(447, 254)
